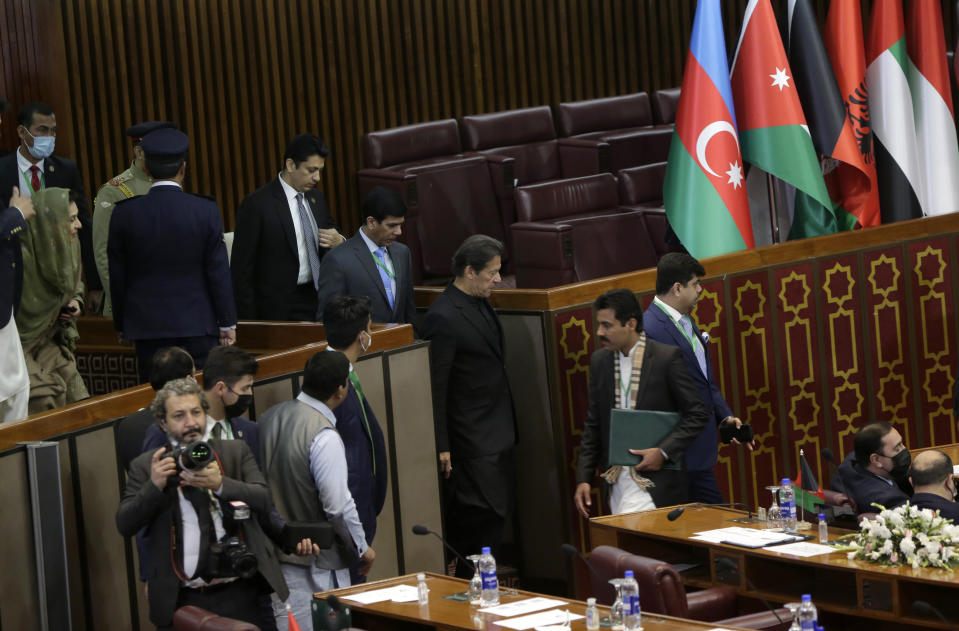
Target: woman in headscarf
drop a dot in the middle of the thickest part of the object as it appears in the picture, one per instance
(52, 300)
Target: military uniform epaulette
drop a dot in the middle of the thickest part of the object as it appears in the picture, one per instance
(120, 179)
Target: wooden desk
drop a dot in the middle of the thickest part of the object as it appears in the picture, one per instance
(460, 616)
(848, 588)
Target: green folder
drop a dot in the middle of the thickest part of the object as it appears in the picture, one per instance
(638, 429)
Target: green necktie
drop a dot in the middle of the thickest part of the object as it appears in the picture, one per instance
(217, 431)
(359, 393)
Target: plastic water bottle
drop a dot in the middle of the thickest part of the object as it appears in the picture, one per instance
(787, 502)
(592, 615)
(823, 529)
(422, 591)
(487, 567)
(631, 614)
(807, 614)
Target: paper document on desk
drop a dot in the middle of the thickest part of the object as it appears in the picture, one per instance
(526, 605)
(804, 549)
(398, 593)
(541, 619)
(748, 537)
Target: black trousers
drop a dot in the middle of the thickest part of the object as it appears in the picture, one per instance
(198, 347)
(303, 303)
(239, 599)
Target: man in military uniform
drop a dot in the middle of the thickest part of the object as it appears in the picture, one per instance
(131, 183)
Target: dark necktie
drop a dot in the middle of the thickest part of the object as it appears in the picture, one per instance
(200, 499)
(309, 234)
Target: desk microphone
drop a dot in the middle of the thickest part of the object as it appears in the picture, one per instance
(420, 529)
(727, 564)
(924, 608)
(674, 514)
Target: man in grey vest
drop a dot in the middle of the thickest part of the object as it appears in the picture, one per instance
(304, 462)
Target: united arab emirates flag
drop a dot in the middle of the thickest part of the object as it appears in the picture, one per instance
(703, 192)
(772, 126)
(932, 103)
(830, 128)
(844, 43)
(809, 493)
(891, 112)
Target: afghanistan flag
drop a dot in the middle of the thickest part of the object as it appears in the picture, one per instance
(891, 112)
(809, 494)
(932, 103)
(773, 128)
(703, 192)
(830, 128)
(843, 40)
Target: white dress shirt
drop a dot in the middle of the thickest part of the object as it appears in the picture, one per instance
(26, 189)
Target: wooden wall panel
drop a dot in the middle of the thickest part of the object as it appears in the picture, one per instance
(242, 76)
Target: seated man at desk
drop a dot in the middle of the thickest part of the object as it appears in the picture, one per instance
(877, 469)
(934, 484)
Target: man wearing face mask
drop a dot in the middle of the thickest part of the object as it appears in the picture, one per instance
(228, 387)
(347, 322)
(33, 167)
(932, 478)
(877, 470)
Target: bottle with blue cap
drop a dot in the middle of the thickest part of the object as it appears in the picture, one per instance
(807, 614)
(487, 567)
(632, 619)
(787, 500)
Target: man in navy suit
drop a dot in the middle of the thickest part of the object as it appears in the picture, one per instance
(283, 231)
(668, 321)
(934, 483)
(372, 263)
(877, 471)
(14, 382)
(169, 274)
(347, 323)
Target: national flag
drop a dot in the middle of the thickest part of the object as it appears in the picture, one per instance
(844, 43)
(809, 493)
(773, 130)
(291, 621)
(830, 128)
(932, 103)
(891, 113)
(705, 199)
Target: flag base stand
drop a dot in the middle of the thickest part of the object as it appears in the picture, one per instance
(803, 525)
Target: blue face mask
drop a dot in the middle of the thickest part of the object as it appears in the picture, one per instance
(42, 146)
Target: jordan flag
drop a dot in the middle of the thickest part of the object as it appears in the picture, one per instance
(773, 129)
(843, 40)
(831, 131)
(932, 103)
(891, 112)
(703, 193)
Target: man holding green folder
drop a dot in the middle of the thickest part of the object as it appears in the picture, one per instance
(631, 372)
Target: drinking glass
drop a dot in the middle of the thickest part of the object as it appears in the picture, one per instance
(476, 583)
(774, 514)
(794, 610)
(616, 610)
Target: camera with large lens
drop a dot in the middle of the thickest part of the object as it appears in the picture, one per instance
(231, 557)
(193, 456)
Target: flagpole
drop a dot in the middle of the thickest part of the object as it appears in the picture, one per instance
(773, 208)
(801, 456)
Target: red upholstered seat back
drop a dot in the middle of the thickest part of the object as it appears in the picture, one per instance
(549, 201)
(665, 104)
(526, 135)
(192, 618)
(411, 143)
(615, 112)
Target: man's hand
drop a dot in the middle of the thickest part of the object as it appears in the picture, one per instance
(161, 468)
(306, 547)
(228, 337)
(328, 238)
(446, 466)
(583, 499)
(652, 459)
(22, 202)
(72, 311)
(94, 301)
(367, 560)
(209, 477)
(738, 423)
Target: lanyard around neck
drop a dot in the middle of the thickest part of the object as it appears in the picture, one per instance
(383, 266)
(691, 338)
(43, 180)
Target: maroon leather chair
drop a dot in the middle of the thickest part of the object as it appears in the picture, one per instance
(624, 122)
(192, 618)
(665, 104)
(574, 230)
(661, 591)
(449, 195)
(641, 188)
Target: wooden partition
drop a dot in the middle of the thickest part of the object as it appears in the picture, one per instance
(809, 341)
(104, 593)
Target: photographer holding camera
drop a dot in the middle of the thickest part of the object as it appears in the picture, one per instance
(201, 503)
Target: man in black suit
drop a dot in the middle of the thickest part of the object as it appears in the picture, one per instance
(372, 263)
(631, 371)
(472, 403)
(34, 167)
(185, 512)
(169, 274)
(14, 381)
(283, 231)
(932, 478)
(877, 470)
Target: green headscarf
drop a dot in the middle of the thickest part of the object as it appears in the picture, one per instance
(51, 268)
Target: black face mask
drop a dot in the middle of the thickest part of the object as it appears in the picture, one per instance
(900, 464)
(243, 403)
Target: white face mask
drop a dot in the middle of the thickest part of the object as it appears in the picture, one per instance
(365, 346)
(42, 146)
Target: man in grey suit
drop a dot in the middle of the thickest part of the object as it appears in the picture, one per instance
(372, 263)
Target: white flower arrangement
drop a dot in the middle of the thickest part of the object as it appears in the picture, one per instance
(906, 535)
